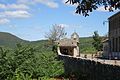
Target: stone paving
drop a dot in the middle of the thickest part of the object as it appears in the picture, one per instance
(103, 61)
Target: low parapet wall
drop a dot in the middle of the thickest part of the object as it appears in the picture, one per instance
(86, 69)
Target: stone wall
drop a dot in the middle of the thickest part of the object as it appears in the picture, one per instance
(85, 69)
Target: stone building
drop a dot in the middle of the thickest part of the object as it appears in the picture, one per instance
(69, 46)
(105, 48)
(114, 36)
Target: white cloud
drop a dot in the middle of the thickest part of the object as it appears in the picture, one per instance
(22, 1)
(15, 14)
(64, 1)
(18, 6)
(26, 2)
(49, 3)
(71, 25)
(102, 9)
(4, 21)
(2, 6)
(14, 6)
(68, 4)
(64, 25)
(12, 26)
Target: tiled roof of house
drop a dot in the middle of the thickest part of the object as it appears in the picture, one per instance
(66, 42)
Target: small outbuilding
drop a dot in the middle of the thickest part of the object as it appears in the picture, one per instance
(69, 46)
(105, 48)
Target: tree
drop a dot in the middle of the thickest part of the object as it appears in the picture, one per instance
(97, 41)
(4, 64)
(26, 63)
(57, 32)
(86, 6)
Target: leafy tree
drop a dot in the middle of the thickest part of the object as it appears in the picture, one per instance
(86, 6)
(20, 76)
(49, 65)
(27, 63)
(20, 58)
(97, 41)
(57, 32)
(37, 64)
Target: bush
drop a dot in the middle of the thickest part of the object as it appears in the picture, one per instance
(26, 62)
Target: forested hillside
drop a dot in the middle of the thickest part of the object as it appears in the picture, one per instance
(9, 40)
(86, 45)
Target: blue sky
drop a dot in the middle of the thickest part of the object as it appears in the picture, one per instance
(31, 19)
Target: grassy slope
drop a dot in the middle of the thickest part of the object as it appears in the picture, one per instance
(86, 45)
(41, 45)
(9, 40)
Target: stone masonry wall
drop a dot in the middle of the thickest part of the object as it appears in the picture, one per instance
(90, 70)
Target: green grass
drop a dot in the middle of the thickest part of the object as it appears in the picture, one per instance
(86, 45)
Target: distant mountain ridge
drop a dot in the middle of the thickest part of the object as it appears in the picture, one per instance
(10, 40)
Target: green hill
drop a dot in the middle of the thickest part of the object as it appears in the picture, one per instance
(10, 40)
(86, 45)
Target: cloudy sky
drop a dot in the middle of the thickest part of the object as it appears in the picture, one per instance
(31, 19)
